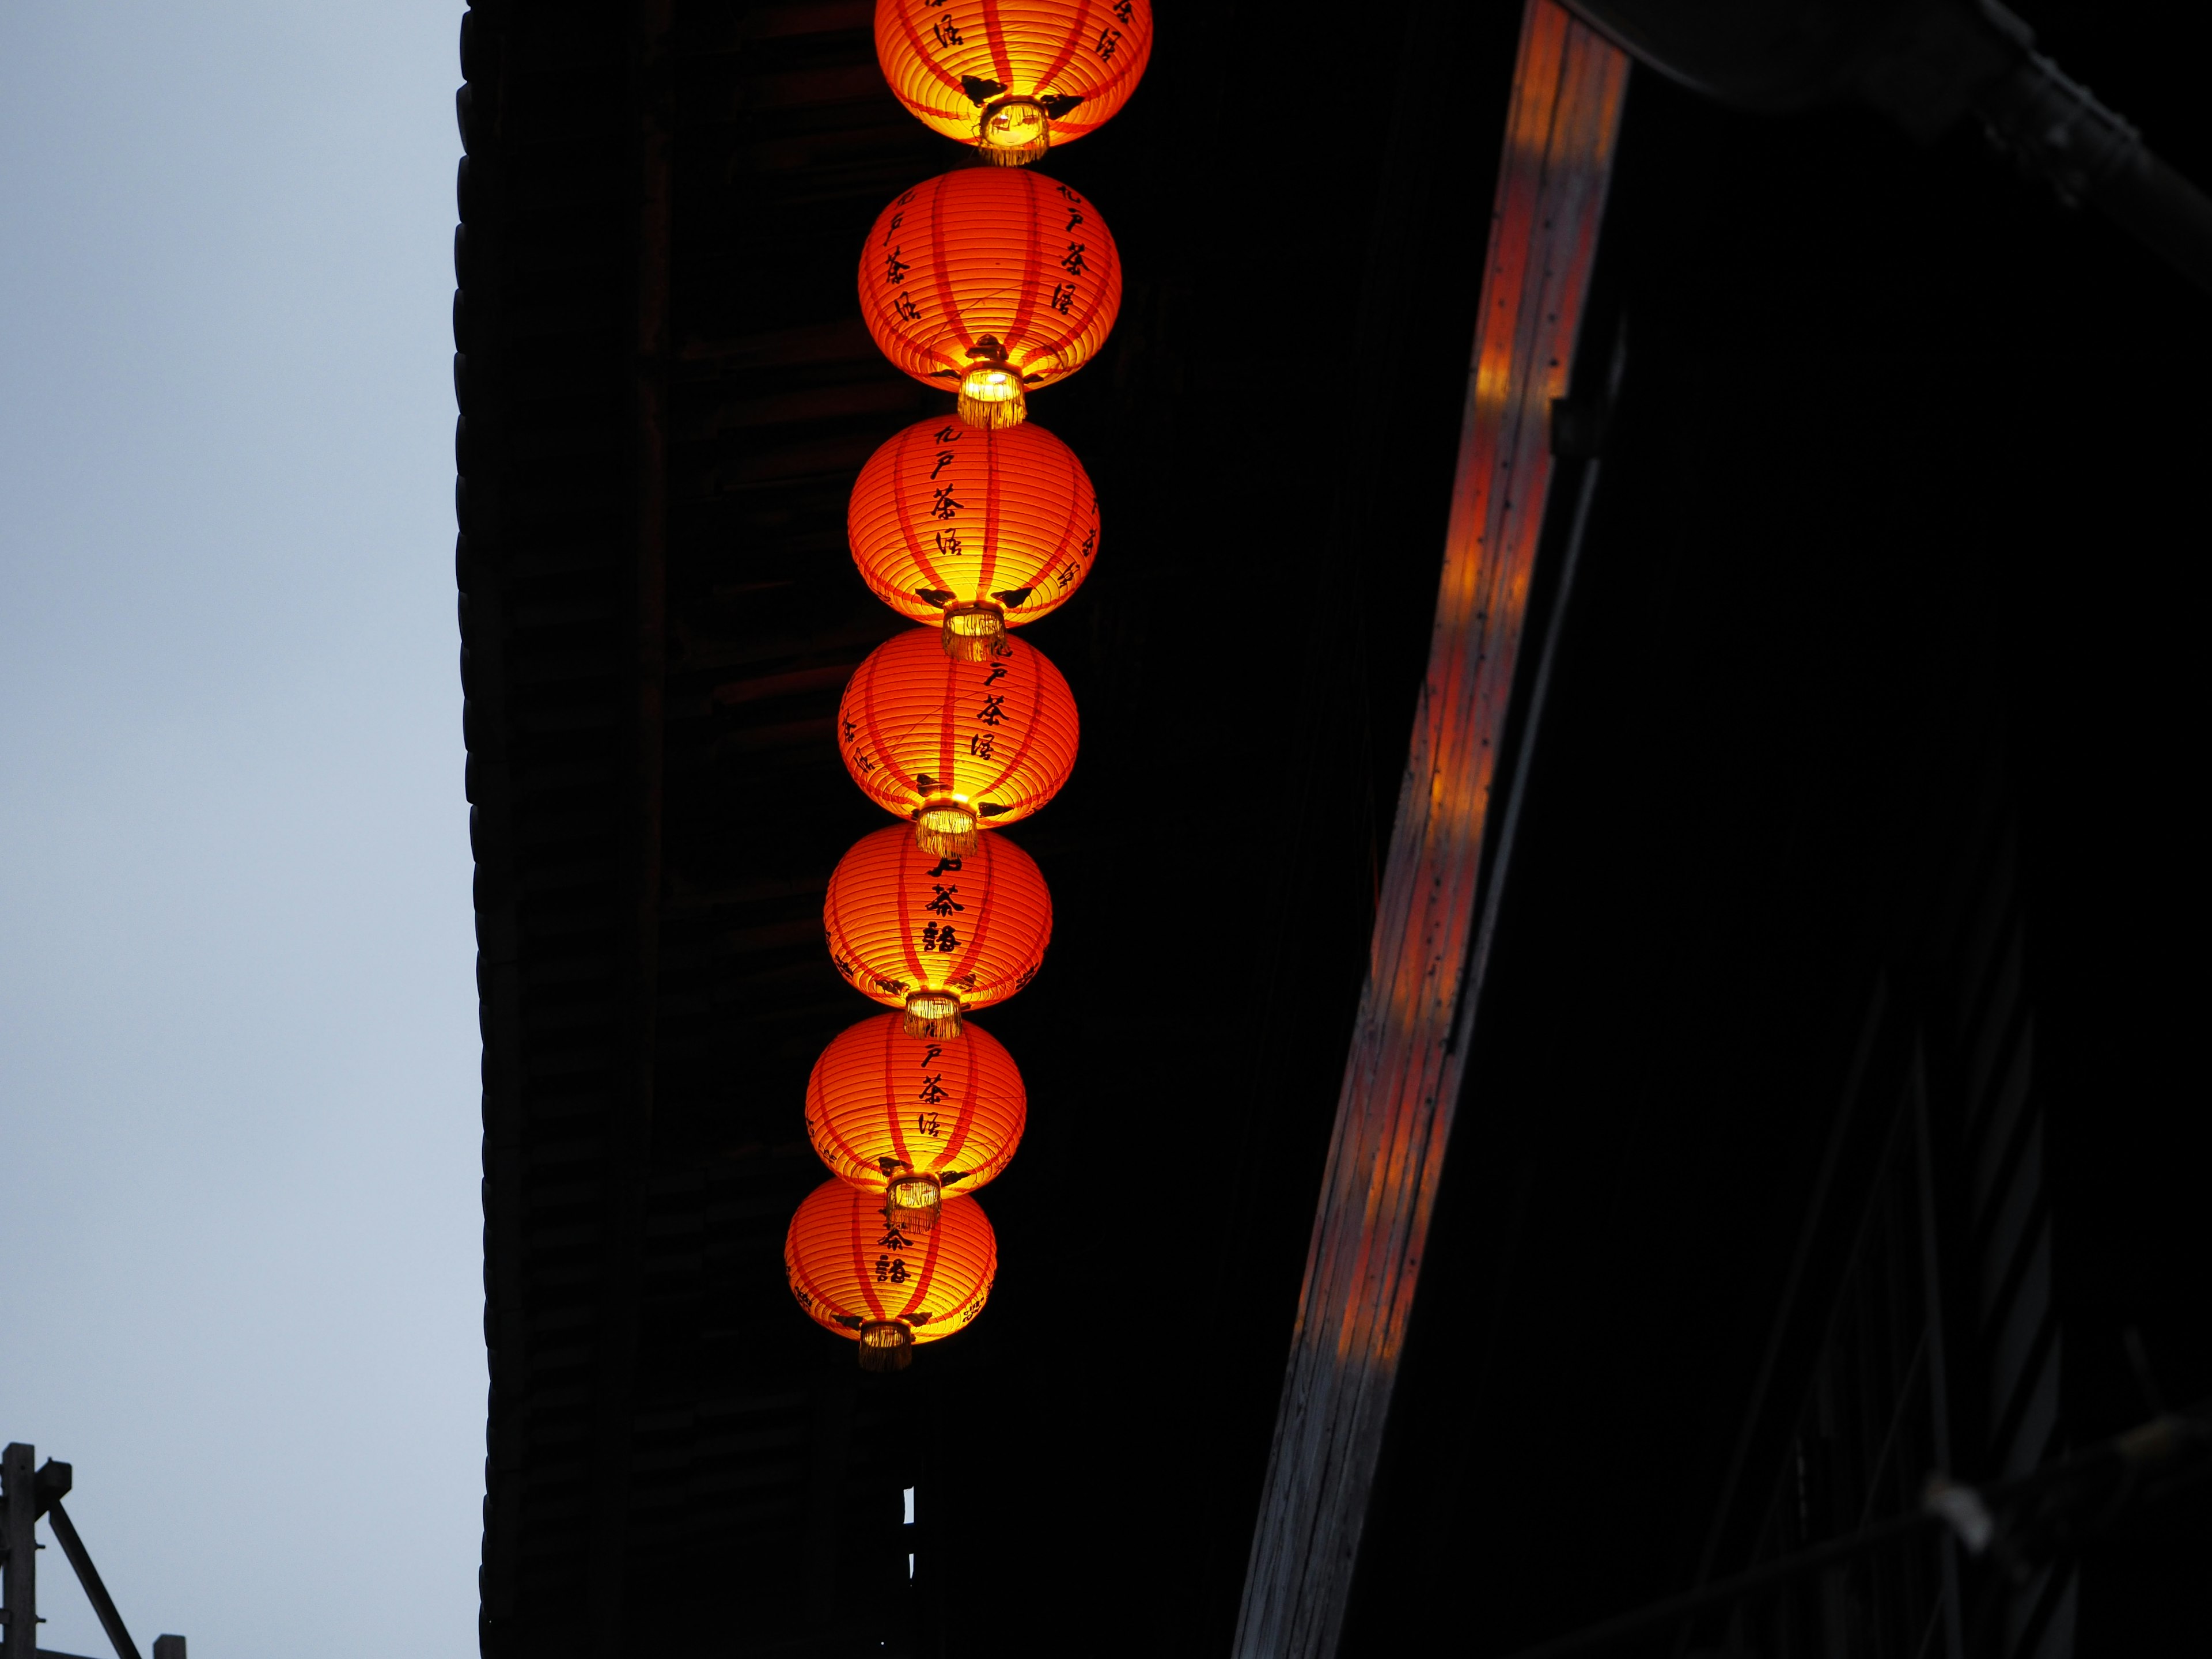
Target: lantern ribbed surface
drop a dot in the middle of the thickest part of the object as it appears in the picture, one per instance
(880, 1103)
(996, 739)
(989, 264)
(900, 921)
(952, 61)
(849, 1267)
(949, 514)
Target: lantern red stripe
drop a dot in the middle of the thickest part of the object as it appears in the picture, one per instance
(933, 1242)
(1032, 263)
(922, 58)
(960, 1310)
(963, 1115)
(862, 1240)
(899, 740)
(1099, 300)
(848, 1149)
(910, 857)
(948, 715)
(1108, 96)
(893, 1033)
(864, 679)
(979, 925)
(992, 517)
(1076, 30)
(941, 272)
(1029, 728)
(1077, 489)
(994, 35)
(902, 499)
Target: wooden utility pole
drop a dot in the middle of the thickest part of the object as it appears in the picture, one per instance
(30, 1494)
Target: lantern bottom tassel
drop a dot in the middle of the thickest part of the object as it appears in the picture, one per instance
(995, 413)
(933, 1014)
(1013, 132)
(991, 393)
(912, 1200)
(972, 632)
(944, 827)
(886, 1344)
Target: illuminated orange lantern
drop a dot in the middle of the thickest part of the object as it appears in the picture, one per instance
(979, 529)
(1011, 76)
(935, 934)
(991, 282)
(954, 744)
(860, 1274)
(915, 1119)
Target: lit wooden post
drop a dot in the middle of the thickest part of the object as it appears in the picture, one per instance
(1402, 1079)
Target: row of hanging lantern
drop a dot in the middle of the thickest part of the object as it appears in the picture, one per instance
(988, 282)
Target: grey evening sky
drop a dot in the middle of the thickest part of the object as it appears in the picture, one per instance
(239, 1255)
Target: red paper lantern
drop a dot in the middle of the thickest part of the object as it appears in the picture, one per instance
(990, 282)
(953, 746)
(935, 934)
(860, 1274)
(978, 530)
(915, 1119)
(1011, 77)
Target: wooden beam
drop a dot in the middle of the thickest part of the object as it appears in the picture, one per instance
(1401, 1081)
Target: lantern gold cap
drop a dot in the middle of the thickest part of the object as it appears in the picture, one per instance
(970, 630)
(933, 1014)
(991, 393)
(912, 1200)
(886, 1344)
(943, 827)
(1013, 131)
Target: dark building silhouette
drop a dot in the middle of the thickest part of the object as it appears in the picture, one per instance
(1828, 1119)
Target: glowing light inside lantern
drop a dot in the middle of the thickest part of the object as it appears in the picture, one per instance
(1015, 123)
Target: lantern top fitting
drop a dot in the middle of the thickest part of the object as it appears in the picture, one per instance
(1013, 77)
